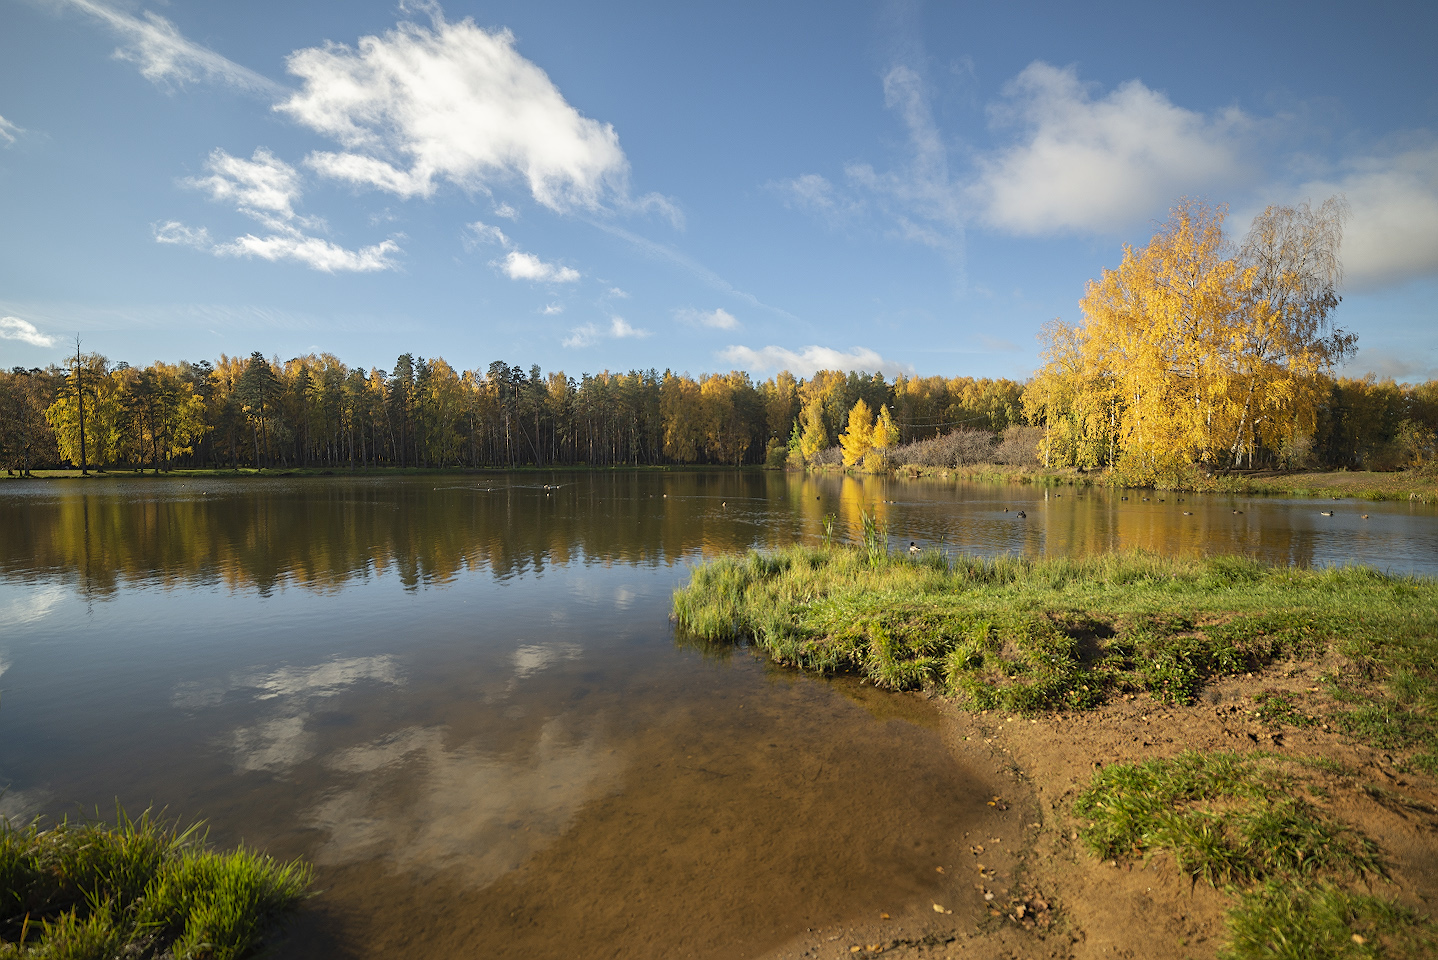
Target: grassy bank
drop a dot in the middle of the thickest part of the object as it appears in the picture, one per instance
(140, 888)
(1070, 637)
(1028, 636)
(1413, 485)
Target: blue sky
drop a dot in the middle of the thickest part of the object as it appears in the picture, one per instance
(893, 186)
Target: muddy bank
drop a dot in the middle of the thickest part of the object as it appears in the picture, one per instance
(1136, 908)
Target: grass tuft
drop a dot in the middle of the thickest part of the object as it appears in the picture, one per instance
(141, 888)
(1279, 921)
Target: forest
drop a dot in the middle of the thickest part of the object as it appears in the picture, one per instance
(1195, 353)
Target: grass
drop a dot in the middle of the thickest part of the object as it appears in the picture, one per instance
(1068, 634)
(1224, 818)
(1279, 921)
(1239, 822)
(141, 888)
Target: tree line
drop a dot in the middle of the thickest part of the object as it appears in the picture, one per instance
(1194, 353)
(315, 411)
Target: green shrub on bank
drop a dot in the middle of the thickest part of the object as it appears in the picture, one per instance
(138, 889)
(1280, 921)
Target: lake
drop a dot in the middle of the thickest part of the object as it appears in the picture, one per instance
(461, 696)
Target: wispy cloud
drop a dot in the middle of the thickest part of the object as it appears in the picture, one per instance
(718, 319)
(518, 265)
(806, 361)
(13, 328)
(9, 132)
(659, 251)
(165, 56)
(552, 309)
(587, 335)
(266, 189)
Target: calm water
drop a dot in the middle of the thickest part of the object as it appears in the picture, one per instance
(463, 700)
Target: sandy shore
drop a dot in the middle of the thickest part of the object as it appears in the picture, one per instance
(1030, 889)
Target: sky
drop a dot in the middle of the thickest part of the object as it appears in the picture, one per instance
(902, 187)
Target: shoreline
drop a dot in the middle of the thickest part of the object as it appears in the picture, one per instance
(1324, 718)
(1336, 484)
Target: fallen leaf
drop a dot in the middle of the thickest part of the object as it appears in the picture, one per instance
(1358, 939)
(883, 916)
(938, 909)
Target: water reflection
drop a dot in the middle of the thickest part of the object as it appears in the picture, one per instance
(418, 803)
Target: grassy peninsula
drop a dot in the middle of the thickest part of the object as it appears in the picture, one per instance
(138, 888)
(1324, 682)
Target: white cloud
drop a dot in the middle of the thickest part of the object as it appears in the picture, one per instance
(585, 336)
(1094, 165)
(618, 294)
(589, 334)
(451, 102)
(164, 55)
(8, 131)
(313, 252)
(809, 360)
(13, 328)
(552, 309)
(265, 189)
(719, 319)
(480, 232)
(518, 265)
(619, 328)
(506, 211)
(1392, 235)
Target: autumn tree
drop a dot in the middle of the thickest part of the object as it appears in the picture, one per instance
(857, 438)
(1193, 351)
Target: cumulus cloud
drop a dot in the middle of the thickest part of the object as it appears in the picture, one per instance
(583, 336)
(1091, 165)
(265, 188)
(620, 328)
(13, 328)
(719, 319)
(8, 131)
(809, 360)
(452, 102)
(1412, 367)
(518, 265)
(165, 56)
(1392, 235)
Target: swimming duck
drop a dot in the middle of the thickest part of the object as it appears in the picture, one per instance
(1021, 514)
(1325, 513)
(913, 548)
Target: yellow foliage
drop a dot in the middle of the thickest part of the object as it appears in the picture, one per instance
(857, 440)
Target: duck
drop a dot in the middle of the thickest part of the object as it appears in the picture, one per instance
(1188, 513)
(1325, 513)
(1365, 516)
(1021, 514)
(1238, 513)
(913, 548)
(1123, 498)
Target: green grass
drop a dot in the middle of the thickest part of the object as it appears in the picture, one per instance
(1240, 823)
(1224, 818)
(1280, 921)
(1070, 633)
(139, 889)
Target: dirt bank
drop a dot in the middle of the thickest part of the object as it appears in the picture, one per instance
(1077, 906)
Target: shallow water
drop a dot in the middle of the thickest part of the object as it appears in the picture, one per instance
(462, 698)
